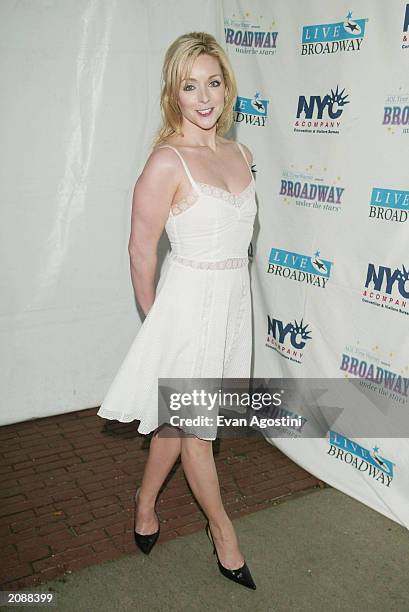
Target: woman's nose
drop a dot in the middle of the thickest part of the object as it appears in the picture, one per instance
(203, 95)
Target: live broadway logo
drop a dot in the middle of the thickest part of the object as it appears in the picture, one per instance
(336, 37)
(377, 467)
(300, 267)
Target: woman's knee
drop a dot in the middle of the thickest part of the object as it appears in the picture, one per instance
(194, 446)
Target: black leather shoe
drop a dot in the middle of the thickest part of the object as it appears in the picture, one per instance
(145, 542)
(240, 575)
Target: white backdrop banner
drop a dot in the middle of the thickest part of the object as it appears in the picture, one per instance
(324, 105)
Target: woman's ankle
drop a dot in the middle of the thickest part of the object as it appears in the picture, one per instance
(220, 525)
(146, 500)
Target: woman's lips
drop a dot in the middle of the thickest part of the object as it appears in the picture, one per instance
(205, 114)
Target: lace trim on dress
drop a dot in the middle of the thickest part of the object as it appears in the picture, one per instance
(235, 199)
(221, 264)
(185, 203)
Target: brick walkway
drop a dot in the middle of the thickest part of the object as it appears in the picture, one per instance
(68, 484)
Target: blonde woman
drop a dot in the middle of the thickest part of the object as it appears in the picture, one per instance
(198, 186)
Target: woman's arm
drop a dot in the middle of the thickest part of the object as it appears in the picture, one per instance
(152, 198)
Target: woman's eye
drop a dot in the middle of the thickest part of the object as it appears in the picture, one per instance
(214, 83)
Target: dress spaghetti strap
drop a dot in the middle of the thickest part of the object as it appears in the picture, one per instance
(245, 157)
(193, 183)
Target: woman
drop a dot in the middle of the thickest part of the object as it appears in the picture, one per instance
(198, 321)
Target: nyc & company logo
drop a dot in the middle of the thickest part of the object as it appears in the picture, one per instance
(251, 110)
(288, 339)
(389, 288)
(389, 204)
(405, 39)
(321, 113)
(333, 37)
(362, 459)
(250, 36)
(302, 268)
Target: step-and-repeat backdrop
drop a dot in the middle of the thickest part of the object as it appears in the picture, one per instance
(323, 104)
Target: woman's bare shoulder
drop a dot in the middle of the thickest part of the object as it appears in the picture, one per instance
(155, 186)
(159, 178)
(233, 143)
(247, 152)
(161, 159)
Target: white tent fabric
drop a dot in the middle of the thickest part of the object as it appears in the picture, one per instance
(79, 106)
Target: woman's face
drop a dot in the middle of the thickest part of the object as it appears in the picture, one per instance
(203, 91)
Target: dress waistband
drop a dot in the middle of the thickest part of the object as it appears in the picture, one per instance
(221, 264)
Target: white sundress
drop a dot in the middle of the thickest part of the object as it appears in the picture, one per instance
(199, 325)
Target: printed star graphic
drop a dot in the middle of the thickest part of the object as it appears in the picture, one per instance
(317, 254)
(351, 26)
(375, 449)
(349, 16)
(319, 265)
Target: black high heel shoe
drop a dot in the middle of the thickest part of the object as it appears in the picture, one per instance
(241, 575)
(145, 542)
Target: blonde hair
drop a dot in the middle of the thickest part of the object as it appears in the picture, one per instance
(178, 63)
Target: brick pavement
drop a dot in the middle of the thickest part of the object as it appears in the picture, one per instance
(68, 483)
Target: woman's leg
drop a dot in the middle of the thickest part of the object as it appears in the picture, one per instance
(163, 452)
(200, 470)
